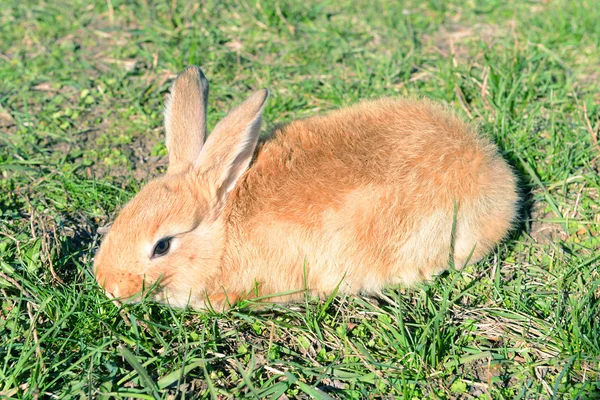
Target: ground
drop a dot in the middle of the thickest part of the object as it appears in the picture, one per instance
(81, 90)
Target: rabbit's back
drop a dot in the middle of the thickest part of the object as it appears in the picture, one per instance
(416, 148)
(368, 193)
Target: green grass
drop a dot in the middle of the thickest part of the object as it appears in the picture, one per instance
(81, 88)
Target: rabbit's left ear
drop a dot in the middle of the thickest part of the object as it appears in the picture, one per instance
(185, 119)
(229, 148)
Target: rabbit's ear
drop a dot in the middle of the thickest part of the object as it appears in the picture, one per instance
(229, 148)
(185, 118)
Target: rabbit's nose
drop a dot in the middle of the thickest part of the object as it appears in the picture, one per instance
(111, 291)
(101, 279)
(109, 295)
(125, 286)
(114, 296)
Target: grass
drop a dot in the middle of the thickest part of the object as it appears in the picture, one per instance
(81, 89)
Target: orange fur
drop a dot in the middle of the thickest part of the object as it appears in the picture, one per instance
(361, 198)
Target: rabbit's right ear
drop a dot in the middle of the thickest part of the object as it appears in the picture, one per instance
(185, 118)
(229, 148)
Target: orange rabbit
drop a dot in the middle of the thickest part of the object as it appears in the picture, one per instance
(361, 198)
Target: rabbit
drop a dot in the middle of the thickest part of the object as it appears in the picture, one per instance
(386, 192)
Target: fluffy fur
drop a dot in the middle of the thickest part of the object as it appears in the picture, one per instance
(361, 198)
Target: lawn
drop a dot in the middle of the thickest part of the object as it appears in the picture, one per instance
(82, 85)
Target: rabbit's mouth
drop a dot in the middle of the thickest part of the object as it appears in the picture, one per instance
(120, 301)
(120, 297)
(193, 300)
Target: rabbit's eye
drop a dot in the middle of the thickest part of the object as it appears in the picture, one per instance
(162, 247)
